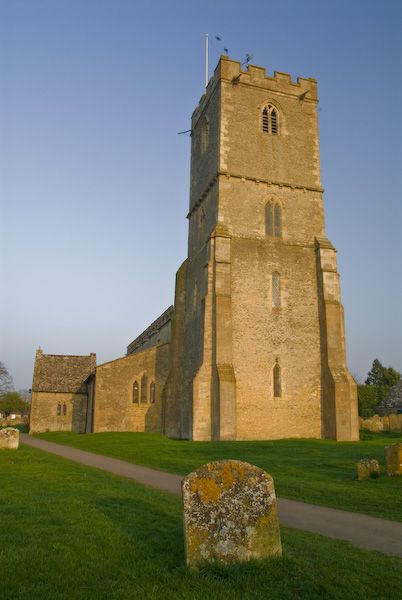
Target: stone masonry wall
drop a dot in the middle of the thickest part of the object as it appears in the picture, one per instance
(114, 409)
(45, 409)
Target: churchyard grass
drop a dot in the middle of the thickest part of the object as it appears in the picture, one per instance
(317, 471)
(71, 532)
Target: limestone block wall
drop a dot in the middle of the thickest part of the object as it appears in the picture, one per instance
(264, 335)
(115, 405)
(58, 411)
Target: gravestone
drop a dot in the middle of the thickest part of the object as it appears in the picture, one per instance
(9, 438)
(394, 459)
(230, 514)
(367, 468)
(395, 423)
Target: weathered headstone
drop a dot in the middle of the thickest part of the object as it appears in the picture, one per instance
(385, 423)
(374, 424)
(230, 514)
(394, 459)
(395, 423)
(9, 438)
(367, 468)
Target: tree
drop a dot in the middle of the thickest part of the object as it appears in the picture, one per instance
(6, 381)
(380, 375)
(11, 402)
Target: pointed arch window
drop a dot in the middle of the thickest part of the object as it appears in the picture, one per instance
(269, 222)
(64, 410)
(152, 393)
(135, 393)
(273, 220)
(277, 221)
(270, 119)
(204, 135)
(276, 290)
(58, 410)
(144, 389)
(277, 380)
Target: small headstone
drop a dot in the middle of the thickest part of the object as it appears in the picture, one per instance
(9, 438)
(395, 423)
(385, 422)
(394, 459)
(373, 424)
(230, 514)
(367, 468)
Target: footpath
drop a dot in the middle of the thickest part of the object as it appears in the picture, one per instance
(360, 530)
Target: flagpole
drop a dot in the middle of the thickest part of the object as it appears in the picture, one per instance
(206, 60)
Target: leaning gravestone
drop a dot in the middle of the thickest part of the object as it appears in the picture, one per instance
(394, 459)
(367, 468)
(9, 438)
(230, 514)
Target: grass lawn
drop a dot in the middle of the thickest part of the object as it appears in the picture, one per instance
(316, 471)
(70, 532)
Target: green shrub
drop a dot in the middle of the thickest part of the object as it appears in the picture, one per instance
(369, 396)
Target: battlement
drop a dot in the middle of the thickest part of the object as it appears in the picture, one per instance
(231, 71)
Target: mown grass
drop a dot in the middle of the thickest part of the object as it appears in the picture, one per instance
(70, 532)
(317, 471)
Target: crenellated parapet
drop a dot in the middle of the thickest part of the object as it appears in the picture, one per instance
(305, 89)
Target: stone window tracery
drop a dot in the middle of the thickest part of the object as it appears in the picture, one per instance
(270, 119)
(144, 389)
(152, 393)
(135, 393)
(273, 220)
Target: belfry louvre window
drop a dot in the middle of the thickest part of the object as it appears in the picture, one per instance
(270, 119)
(273, 220)
(144, 389)
(277, 381)
(204, 135)
(152, 393)
(135, 393)
(276, 290)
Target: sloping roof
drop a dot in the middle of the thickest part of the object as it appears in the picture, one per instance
(164, 318)
(394, 399)
(62, 373)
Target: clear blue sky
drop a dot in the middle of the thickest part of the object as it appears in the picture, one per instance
(94, 178)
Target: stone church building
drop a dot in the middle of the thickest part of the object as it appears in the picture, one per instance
(254, 347)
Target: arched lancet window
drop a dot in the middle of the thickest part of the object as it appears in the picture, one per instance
(64, 409)
(273, 220)
(277, 221)
(270, 119)
(277, 380)
(152, 393)
(135, 393)
(144, 389)
(58, 410)
(269, 223)
(276, 289)
(204, 135)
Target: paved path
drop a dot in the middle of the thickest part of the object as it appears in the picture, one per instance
(361, 530)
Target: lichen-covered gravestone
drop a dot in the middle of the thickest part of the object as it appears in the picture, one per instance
(9, 438)
(394, 459)
(230, 514)
(367, 468)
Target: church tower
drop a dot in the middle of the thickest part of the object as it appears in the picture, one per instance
(258, 343)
